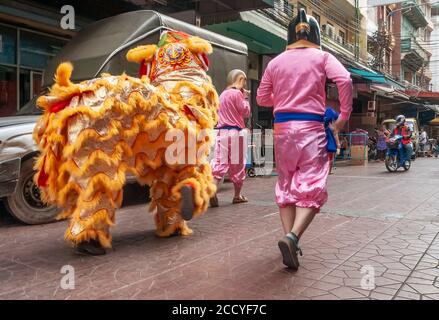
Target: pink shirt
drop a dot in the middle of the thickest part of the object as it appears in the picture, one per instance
(295, 81)
(234, 108)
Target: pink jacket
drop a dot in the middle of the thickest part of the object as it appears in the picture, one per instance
(295, 81)
(234, 108)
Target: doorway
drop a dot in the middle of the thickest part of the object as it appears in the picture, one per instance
(30, 84)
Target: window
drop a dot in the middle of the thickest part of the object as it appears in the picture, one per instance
(408, 75)
(315, 15)
(301, 6)
(36, 50)
(342, 36)
(407, 28)
(8, 90)
(8, 45)
(30, 85)
(23, 56)
(287, 7)
(427, 35)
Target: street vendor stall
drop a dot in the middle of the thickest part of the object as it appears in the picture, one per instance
(434, 128)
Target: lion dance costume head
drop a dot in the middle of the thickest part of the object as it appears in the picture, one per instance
(93, 133)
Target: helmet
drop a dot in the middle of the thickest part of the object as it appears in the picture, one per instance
(304, 27)
(400, 120)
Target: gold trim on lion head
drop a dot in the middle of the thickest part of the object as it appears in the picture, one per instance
(175, 51)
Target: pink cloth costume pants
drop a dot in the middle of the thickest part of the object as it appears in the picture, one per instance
(302, 164)
(230, 155)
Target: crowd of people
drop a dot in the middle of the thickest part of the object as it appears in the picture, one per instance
(427, 147)
(378, 143)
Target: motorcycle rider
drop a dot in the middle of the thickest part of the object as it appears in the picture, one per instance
(404, 130)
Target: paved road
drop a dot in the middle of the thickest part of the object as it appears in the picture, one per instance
(386, 224)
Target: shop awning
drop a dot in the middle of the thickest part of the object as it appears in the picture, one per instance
(434, 122)
(426, 96)
(384, 89)
(254, 29)
(376, 78)
(389, 92)
(368, 76)
(394, 84)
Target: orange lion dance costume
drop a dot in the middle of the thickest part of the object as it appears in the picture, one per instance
(92, 133)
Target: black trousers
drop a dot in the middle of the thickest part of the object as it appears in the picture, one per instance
(382, 154)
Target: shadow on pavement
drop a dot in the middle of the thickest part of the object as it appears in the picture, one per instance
(133, 194)
(5, 218)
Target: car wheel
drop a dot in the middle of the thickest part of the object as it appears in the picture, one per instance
(25, 204)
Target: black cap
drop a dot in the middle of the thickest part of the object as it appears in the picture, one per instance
(304, 27)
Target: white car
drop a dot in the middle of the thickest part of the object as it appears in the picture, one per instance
(18, 191)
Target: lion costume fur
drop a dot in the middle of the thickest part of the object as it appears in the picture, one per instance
(93, 133)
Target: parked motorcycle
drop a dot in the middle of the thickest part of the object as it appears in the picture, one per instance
(372, 152)
(395, 157)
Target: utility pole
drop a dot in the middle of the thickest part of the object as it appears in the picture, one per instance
(357, 30)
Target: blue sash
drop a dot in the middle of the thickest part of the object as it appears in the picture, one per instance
(230, 128)
(329, 116)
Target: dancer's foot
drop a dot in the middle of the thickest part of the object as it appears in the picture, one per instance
(240, 199)
(91, 247)
(289, 247)
(214, 201)
(187, 203)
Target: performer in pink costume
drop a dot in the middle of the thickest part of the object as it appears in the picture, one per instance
(294, 85)
(231, 138)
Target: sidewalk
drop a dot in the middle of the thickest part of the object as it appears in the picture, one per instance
(375, 219)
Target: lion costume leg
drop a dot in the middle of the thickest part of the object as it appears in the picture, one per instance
(166, 195)
(83, 169)
(98, 170)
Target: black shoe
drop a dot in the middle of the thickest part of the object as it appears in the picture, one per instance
(187, 203)
(214, 202)
(289, 247)
(92, 248)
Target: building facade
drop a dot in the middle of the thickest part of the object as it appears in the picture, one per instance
(403, 33)
(416, 29)
(388, 49)
(399, 45)
(265, 33)
(29, 37)
(31, 33)
(434, 46)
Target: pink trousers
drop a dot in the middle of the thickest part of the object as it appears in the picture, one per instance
(302, 164)
(230, 156)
